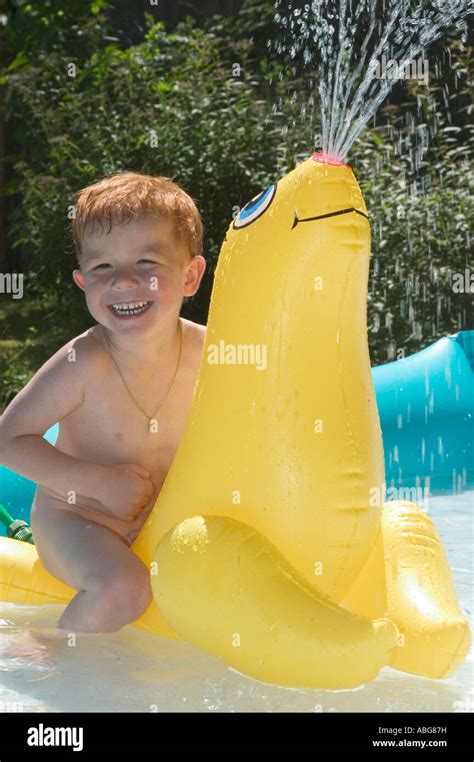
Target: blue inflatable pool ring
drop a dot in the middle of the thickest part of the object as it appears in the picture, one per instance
(426, 410)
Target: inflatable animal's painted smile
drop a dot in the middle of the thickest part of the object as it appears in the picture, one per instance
(329, 214)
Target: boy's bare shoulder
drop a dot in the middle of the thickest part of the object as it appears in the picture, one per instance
(85, 351)
(196, 333)
(56, 389)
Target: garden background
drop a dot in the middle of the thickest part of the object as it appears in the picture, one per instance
(214, 94)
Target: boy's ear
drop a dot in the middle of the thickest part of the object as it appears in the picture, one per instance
(78, 279)
(194, 275)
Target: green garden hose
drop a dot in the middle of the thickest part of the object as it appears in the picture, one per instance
(17, 529)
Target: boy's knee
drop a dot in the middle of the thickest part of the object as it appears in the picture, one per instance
(117, 575)
(131, 605)
(126, 594)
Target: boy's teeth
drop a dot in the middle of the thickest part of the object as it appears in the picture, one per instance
(130, 307)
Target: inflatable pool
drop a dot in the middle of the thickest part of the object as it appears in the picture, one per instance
(426, 409)
(270, 545)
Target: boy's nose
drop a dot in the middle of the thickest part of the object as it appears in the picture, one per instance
(124, 276)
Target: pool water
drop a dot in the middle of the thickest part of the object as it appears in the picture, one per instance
(131, 671)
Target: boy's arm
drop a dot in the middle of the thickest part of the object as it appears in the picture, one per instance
(54, 391)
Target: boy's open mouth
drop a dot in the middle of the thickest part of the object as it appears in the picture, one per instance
(129, 309)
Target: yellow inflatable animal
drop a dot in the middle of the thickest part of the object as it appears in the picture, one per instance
(269, 545)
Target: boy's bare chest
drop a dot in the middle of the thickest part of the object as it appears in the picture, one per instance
(112, 426)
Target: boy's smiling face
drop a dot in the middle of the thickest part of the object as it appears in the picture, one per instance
(140, 264)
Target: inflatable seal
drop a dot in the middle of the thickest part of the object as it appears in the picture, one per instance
(269, 545)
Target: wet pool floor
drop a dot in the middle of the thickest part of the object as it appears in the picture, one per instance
(131, 671)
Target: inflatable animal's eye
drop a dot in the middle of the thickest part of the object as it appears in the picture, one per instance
(256, 207)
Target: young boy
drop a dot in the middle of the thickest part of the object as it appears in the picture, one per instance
(121, 392)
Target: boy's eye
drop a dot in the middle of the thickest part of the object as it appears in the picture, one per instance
(106, 264)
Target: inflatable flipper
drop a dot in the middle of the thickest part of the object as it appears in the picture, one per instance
(421, 599)
(434, 636)
(226, 589)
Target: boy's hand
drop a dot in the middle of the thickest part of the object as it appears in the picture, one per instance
(124, 490)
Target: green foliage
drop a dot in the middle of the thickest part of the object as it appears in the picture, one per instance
(213, 108)
(168, 106)
(82, 107)
(421, 206)
(419, 241)
(32, 331)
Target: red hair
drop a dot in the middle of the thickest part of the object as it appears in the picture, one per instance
(119, 198)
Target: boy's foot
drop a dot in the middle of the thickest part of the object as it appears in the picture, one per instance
(29, 643)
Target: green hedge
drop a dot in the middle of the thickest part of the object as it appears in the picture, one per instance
(208, 107)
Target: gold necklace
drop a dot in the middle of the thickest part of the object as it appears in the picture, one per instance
(153, 417)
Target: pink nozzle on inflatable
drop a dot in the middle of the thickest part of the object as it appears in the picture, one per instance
(327, 158)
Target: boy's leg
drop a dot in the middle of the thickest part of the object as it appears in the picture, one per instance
(113, 584)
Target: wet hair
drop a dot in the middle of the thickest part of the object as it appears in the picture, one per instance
(131, 195)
